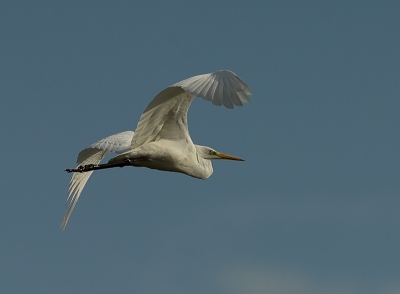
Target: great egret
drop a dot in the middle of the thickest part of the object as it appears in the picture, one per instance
(161, 140)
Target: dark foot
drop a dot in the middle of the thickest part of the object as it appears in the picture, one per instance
(81, 168)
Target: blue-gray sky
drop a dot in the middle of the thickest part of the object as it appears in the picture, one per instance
(315, 207)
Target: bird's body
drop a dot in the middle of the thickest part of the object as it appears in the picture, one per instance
(161, 140)
(172, 156)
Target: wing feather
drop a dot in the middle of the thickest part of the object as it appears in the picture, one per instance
(206, 87)
(168, 108)
(234, 83)
(211, 92)
(117, 143)
(219, 92)
(225, 78)
(243, 97)
(226, 96)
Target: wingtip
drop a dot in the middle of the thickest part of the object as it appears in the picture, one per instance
(63, 224)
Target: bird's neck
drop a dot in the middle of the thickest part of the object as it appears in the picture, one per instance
(204, 168)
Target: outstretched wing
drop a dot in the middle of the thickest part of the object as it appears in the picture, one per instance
(166, 115)
(117, 143)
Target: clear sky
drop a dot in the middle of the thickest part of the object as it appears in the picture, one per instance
(315, 208)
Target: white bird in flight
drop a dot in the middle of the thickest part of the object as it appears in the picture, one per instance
(161, 140)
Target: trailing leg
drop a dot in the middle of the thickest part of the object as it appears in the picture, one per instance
(92, 167)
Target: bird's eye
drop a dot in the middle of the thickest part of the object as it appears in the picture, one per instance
(211, 152)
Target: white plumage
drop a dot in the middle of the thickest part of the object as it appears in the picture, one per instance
(161, 140)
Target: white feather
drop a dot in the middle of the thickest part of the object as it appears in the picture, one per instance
(117, 143)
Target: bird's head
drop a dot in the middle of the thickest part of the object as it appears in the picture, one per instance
(209, 153)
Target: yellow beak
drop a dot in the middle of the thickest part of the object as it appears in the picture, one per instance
(227, 156)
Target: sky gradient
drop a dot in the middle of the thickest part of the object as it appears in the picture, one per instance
(313, 209)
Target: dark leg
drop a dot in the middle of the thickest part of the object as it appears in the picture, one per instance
(90, 167)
